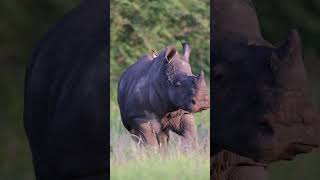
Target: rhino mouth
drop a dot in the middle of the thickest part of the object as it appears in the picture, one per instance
(305, 146)
(298, 148)
(198, 105)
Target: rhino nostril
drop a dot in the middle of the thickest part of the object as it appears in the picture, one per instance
(193, 101)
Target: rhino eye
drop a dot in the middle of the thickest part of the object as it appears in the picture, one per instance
(178, 83)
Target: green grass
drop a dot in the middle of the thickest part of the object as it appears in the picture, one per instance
(304, 166)
(181, 166)
(131, 161)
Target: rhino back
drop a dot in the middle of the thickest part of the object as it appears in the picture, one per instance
(133, 86)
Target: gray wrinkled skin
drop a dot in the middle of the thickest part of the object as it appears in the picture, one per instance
(158, 94)
(263, 109)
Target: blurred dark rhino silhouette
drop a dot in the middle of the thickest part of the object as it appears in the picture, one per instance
(66, 97)
(262, 108)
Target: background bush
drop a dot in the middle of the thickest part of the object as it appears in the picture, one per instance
(139, 26)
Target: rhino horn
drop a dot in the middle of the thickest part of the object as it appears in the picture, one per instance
(292, 47)
(186, 51)
(200, 80)
(288, 65)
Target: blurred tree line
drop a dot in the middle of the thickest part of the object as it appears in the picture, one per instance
(276, 17)
(139, 26)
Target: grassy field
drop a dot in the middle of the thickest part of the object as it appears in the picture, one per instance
(130, 161)
(304, 166)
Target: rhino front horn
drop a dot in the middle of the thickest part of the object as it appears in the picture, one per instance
(201, 75)
(288, 64)
(186, 50)
(291, 49)
(200, 78)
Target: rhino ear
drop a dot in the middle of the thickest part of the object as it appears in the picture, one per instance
(170, 53)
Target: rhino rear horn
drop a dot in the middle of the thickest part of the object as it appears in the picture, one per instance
(186, 50)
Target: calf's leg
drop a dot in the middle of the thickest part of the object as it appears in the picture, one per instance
(189, 131)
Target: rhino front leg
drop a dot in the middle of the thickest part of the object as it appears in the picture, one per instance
(145, 133)
(189, 131)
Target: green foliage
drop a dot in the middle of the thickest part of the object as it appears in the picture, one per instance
(277, 17)
(139, 26)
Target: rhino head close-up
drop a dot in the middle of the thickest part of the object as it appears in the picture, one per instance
(186, 91)
(262, 105)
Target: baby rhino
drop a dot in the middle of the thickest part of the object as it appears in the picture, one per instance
(159, 94)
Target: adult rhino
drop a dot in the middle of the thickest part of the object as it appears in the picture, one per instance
(66, 97)
(159, 93)
(262, 103)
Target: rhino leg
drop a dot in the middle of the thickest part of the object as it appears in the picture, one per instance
(248, 173)
(163, 139)
(189, 131)
(145, 133)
